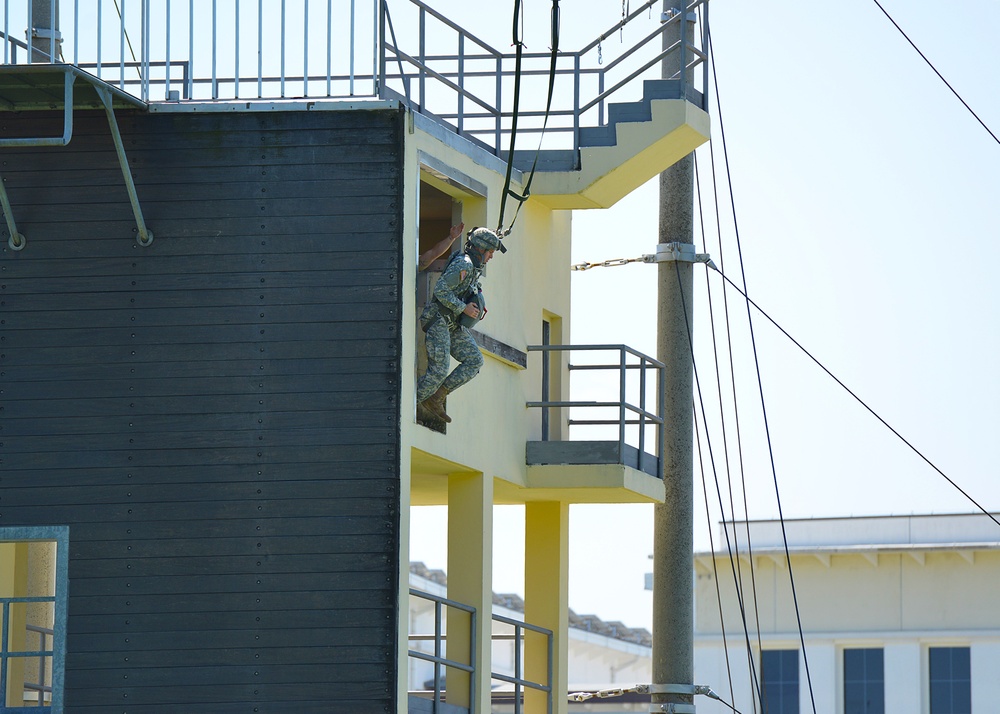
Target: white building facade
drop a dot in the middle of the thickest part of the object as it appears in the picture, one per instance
(899, 615)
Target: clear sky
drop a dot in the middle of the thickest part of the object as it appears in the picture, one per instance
(867, 200)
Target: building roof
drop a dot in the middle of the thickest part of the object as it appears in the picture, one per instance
(587, 623)
(961, 531)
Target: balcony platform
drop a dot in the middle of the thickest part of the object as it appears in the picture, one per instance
(585, 472)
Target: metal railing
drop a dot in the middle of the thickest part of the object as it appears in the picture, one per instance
(439, 637)
(471, 84)
(219, 50)
(629, 414)
(40, 686)
(7, 653)
(518, 679)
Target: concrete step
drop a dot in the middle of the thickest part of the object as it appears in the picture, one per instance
(622, 112)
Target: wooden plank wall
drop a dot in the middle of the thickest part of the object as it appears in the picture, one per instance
(214, 416)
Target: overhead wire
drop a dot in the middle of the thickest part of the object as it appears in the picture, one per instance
(711, 547)
(700, 402)
(734, 561)
(940, 76)
(760, 384)
(860, 401)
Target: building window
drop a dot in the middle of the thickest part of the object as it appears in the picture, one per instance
(779, 681)
(950, 680)
(864, 681)
(33, 579)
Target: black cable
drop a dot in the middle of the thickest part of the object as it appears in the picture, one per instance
(518, 50)
(940, 76)
(553, 58)
(733, 560)
(862, 402)
(757, 686)
(767, 429)
(711, 546)
(697, 380)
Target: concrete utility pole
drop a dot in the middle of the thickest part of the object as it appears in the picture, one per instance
(673, 526)
(44, 37)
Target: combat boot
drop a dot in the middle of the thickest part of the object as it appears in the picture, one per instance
(435, 405)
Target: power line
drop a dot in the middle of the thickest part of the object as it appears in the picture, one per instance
(940, 76)
(760, 386)
(861, 401)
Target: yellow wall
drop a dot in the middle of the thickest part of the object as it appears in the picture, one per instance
(490, 421)
(491, 424)
(873, 592)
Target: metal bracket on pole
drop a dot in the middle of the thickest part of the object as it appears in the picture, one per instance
(682, 252)
(684, 689)
(672, 708)
(145, 237)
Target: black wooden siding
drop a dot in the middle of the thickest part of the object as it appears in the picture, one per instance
(214, 416)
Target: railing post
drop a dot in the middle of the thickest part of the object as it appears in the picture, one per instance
(144, 80)
(437, 655)
(498, 108)
(621, 399)
(518, 636)
(121, 49)
(473, 660)
(642, 407)
(4, 651)
(461, 82)
(576, 101)
(422, 54)
(551, 693)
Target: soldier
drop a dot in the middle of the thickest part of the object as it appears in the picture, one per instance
(457, 304)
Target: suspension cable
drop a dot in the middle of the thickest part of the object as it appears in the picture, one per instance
(697, 380)
(553, 58)
(940, 76)
(732, 548)
(711, 547)
(760, 389)
(860, 401)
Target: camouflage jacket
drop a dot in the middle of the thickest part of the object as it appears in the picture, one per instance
(453, 289)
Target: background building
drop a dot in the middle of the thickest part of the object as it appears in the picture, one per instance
(898, 615)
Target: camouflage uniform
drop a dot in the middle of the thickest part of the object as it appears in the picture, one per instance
(440, 320)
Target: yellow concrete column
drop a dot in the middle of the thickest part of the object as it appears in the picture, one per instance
(470, 581)
(546, 601)
(14, 583)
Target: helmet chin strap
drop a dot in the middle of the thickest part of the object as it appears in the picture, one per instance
(474, 253)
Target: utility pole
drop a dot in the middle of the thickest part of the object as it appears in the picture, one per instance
(43, 35)
(673, 526)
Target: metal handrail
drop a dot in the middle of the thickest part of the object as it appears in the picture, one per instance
(41, 687)
(6, 654)
(640, 414)
(260, 56)
(520, 627)
(575, 65)
(518, 679)
(439, 638)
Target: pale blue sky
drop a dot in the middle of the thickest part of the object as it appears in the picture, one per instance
(867, 205)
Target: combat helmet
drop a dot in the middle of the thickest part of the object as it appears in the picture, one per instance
(483, 239)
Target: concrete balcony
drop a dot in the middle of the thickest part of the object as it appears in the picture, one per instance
(616, 458)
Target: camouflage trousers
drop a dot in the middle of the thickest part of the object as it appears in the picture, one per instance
(440, 342)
